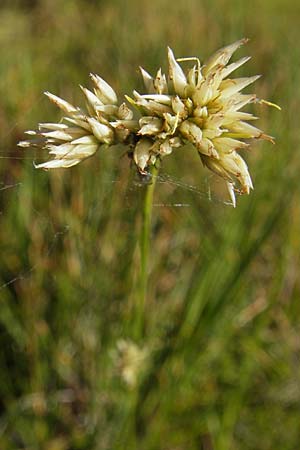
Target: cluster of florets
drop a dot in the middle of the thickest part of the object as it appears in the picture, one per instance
(201, 107)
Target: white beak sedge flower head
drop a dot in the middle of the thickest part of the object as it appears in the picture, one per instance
(202, 107)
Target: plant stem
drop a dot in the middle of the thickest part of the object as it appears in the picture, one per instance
(144, 253)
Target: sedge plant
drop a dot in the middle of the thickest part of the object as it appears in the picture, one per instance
(201, 106)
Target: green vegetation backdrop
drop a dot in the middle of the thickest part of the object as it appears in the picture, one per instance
(218, 367)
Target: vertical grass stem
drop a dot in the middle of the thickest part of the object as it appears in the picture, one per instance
(145, 237)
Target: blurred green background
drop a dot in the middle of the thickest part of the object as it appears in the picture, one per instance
(218, 368)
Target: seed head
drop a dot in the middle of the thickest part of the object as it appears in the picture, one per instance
(201, 106)
(82, 131)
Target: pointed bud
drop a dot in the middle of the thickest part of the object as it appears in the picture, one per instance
(148, 81)
(141, 154)
(62, 104)
(232, 87)
(91, 98)
(52, 126)
(58, 135)
(160, 83)
(58, 164)
(234, 66)
(102, 132)
(176, 75)
(103, 90)
(24, 144)
(235, 165)
(222, 56)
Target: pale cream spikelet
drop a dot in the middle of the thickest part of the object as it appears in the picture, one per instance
(202, 107)
(81, 132)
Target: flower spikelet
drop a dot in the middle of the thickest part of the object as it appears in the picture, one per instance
(81, 132)
(202, 106)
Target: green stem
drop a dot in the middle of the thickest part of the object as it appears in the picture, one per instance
(144, 253)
